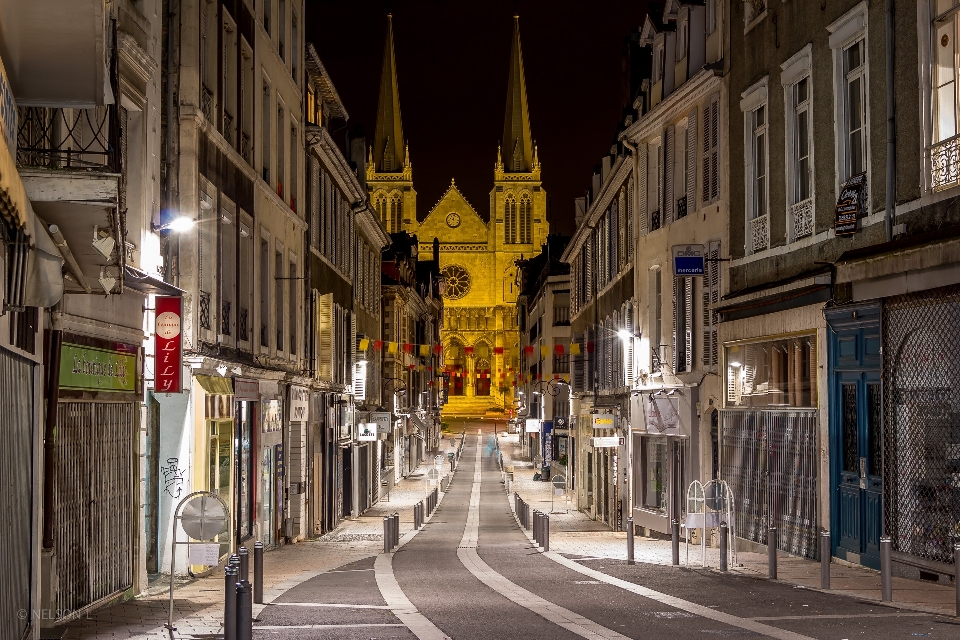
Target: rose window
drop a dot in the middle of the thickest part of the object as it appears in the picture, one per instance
(458, 281)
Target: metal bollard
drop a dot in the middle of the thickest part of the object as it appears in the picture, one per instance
(536, 523)
(258, 572)
(230, 602)
(396, 530)
(772, 553)
(386, 534)
(630, 559)
(244, 611)
(244, 554)
(723, 545)
(675, 541)
(546, 533)
(956, 573)
(825, 553)
(886, 576)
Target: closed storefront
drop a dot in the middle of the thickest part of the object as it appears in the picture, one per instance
(95, 493)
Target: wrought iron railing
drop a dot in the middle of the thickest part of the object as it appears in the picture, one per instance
(246, 147)
(760, 233)
(655, 220)
(204, 311)
(242, 318)
(225, 318)
(227, 129)
(945, 163)
(206, 103)
(802, 214)
(264, 336)
(56, 138)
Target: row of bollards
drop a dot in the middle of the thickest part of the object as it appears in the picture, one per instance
(522, 509)
(630, 559)
(541, 529)
(391, 532)
(240, 595)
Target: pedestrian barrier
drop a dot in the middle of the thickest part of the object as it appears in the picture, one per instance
(956, 575)
(675, 541)
(825, 553)
(244, 554)
(244, 611)
(772, 553)
(230, 576)
(886, 577)
(724, 530)
(258, 572)
(630, 559)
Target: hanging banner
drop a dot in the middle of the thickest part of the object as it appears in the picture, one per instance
(662, 416)
(604, 421)
(168, 345)
(688, 260)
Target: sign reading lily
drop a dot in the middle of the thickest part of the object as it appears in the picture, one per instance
(168, 345)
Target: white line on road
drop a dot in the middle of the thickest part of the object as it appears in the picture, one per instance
(825, 616)
(332, 605)
(397, 600)
(322, 626)
(573, 622)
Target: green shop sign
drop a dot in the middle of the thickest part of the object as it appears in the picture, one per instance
(91, 369)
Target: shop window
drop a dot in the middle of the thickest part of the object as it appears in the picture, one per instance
(775, 373)
(654, 460)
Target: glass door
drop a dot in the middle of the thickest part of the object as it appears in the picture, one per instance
(266, 489)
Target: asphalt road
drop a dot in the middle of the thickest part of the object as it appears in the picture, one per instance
(472, 573)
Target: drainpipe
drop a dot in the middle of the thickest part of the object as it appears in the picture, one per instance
(50, 426)
(891, 128)
(171, 177)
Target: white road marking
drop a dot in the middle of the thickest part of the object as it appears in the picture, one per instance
(827, 616)
(397, 601)
(321, 626)
(331, 605)
(573, 622)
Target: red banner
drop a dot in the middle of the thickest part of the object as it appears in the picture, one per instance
(168, 345)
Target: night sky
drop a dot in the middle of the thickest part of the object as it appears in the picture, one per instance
(452, 61)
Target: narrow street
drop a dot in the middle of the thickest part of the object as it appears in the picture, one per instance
(472, 572)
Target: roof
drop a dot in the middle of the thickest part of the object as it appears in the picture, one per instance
(388, 142)
(517, 144)
(328, 93)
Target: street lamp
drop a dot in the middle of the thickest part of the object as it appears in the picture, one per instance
(179, 224)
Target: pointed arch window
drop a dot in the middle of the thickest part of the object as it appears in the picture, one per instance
(510, 219)
(396, 213)
(525, 222)
(380, 204)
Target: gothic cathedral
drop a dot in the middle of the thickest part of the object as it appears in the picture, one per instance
(481, 341)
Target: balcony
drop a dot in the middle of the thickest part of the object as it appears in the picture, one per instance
(246, 147)
(72, 139)
(203, 311)
(206, 102)
(242, 332)
(802, 215)
(655, 220)
(945, 164)
(228, 128)
(225, 318)
(760, 233)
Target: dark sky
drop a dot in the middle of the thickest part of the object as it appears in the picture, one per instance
(452, 61)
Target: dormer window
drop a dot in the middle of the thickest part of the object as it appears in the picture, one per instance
(657, 63)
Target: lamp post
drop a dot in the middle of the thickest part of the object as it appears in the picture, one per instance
(544, 388)
(629, 338)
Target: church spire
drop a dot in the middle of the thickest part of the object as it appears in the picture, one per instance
(388, 142)
(517, 143)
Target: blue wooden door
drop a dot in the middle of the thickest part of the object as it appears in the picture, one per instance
(860, 488)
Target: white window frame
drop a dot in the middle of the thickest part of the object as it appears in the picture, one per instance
(751, 101)
(797, 68)
(844, 32)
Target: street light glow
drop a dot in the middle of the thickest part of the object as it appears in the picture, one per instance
(180, 224)
(624, 334)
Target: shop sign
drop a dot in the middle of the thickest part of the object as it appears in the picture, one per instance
(532, 425)
(299, 404)
(167, 344)
(271, 416)
(91, 369)
(688, 260)
(604, 421)
(246, 390)
(367, 432)
(547, 443)
(606, 442)
(850, 205)
(662, 416)
(382, 420)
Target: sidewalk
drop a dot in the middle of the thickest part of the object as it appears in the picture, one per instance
(573, 533)
(198, 603)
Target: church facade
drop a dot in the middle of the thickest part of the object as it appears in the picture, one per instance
(480, 334)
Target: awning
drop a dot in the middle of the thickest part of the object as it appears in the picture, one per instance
(145, 283)
(216, 385)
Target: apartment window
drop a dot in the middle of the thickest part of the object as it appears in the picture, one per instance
(228, 272)
(267, 14)
(280, 152)
(711, 16)
(654, 184)
(657, 70)
(656, 319)
(282, 29)
(945, 169)
(247, 97)
(711, 150)
(856, 109)
(294, 148)
(208, 60)
(278, 298)
(245, 303)
(229, 81)
(683, 324)
(758, 125)
(848, 41)
(295, 54)
(265, 136)
(265, 292)
(756, 166)
(293, 299)
(803, 140)
(683, 35)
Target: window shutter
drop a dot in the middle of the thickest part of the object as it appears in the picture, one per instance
(589, 245)
(579, 365)
(707, 146)
(715, 148)
(642, 189)
(669, 153)
(675, 323)
(325, 343)
(630, 224)
(691, 164)
(688, 333)
(359, 382)
(710, 294)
